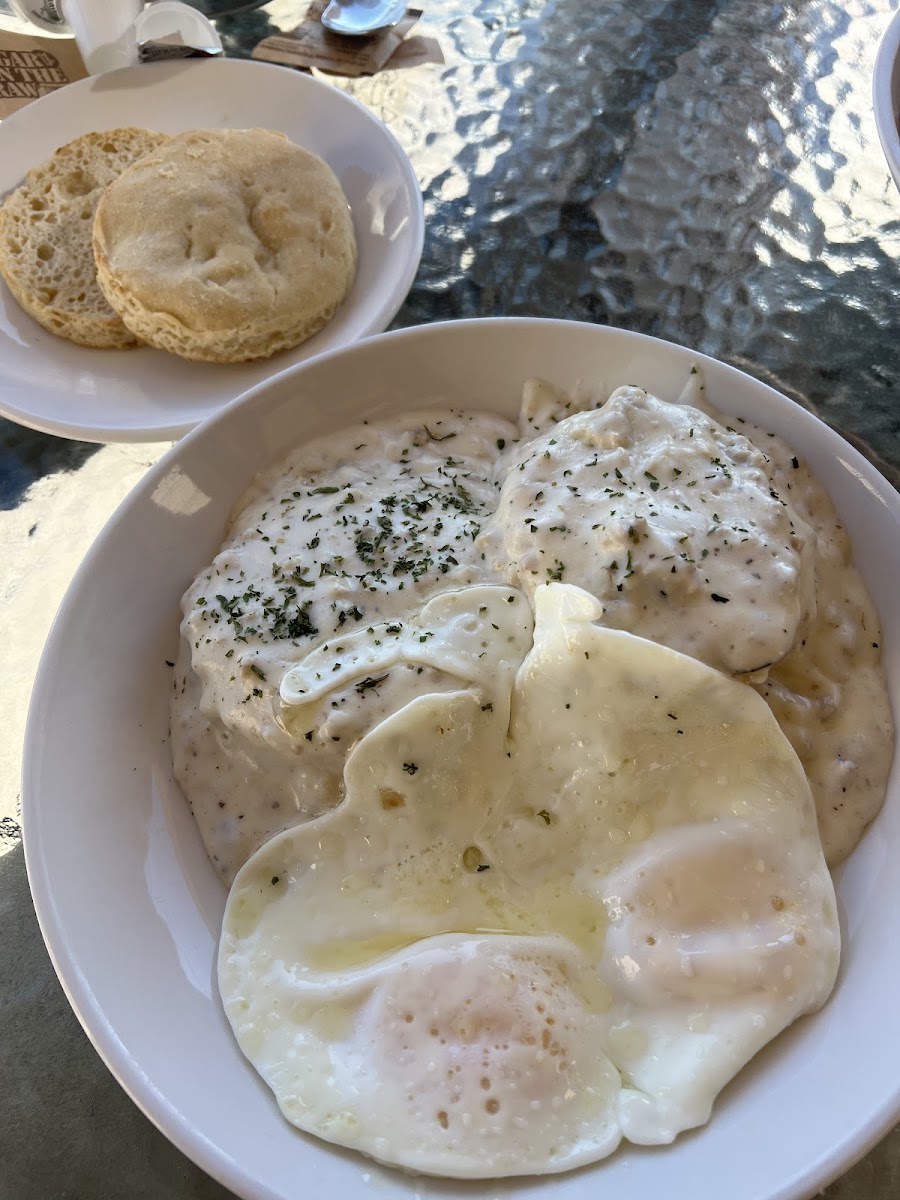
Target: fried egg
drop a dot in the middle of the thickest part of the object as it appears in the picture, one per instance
(553, 911)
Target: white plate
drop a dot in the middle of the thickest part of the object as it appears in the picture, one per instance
(130, 907)
(147, 395)
(886, 94)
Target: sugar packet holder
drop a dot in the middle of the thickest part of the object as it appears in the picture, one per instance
(117, 34)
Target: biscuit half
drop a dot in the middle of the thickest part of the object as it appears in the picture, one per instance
(46, 225)
(225, 245)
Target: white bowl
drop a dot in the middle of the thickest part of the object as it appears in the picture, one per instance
(130, 907)
(886, 94)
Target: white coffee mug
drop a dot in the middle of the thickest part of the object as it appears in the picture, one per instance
(108, 32)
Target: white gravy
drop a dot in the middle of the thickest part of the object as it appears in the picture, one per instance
(710, 538)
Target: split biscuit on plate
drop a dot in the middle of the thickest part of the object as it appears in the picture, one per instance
(225, 245)
(45, 236)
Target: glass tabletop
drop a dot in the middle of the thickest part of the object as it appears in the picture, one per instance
(707, 171)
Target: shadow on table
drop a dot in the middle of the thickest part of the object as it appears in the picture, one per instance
(26, 456)
(69, 1131)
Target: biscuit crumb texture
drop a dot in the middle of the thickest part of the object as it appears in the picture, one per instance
(45, 236)
(226, 245)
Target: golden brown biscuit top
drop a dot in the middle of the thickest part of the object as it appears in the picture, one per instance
(223, 227)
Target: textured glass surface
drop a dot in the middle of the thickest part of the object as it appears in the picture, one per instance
(705, 171)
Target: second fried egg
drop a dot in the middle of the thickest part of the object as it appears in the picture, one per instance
(547, 915)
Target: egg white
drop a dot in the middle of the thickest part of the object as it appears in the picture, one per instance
(559, 906)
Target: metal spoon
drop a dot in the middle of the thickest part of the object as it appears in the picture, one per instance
(356, 18)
